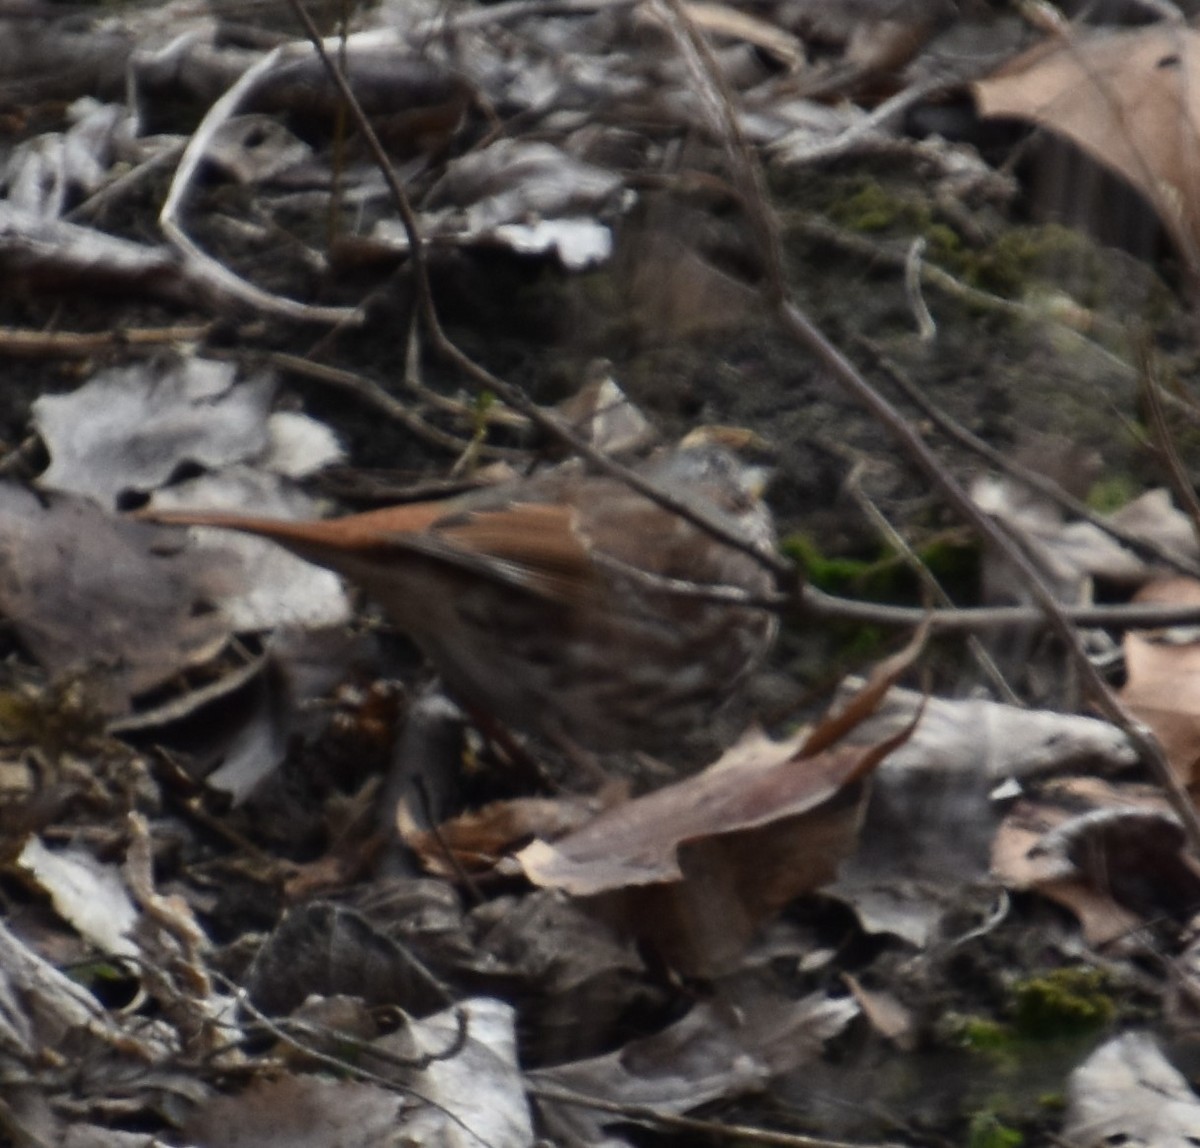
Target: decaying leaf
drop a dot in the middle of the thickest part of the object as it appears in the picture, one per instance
(1127, 97)
(45, 1010)
(529, 196)
(931, 817)
(699, 863)
(134, 428)
(716, 1051)
(471, 1088)
(299, 1112)
(479, 838)
(1153, 516)
(1128, 1093)
(86, 590)
(256, 147)
(41, 175)
(993, 740)
(1113, 855)
(602, 414)
(321, 949)
(88, 894)
(1068, 554)
(724, 20)
(887, 1015)
(35, 250)
(583, 977)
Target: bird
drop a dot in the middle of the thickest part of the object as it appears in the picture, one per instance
(564, 604)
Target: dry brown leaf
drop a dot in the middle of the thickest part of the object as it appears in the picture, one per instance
(1112, 855)
(299, 1111)
(639, 843)
(1162, 685)
(1128, 98)
(694, 867)
(715, 1052)
(479, 838)
(89, 592)
(1163, 690)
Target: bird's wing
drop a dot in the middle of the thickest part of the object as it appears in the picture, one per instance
(532, 545)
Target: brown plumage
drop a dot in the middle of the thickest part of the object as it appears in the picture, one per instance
(554, 603)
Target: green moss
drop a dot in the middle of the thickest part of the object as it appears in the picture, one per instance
(886, 577)
(1021, 256)
(1063, 1002)
(1112, 492)
(987, 1131)
(944, 244)
(865, 206)
(836, 575)
(953, 562)
(981, 1034)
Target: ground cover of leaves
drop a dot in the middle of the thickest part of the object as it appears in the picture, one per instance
(256, 889)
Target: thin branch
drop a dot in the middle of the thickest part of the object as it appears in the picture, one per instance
(15, 341)
(200, 267)
(1137, 616)
(929, 583)
(286, 1030)
(926, 327)
(1073, 323)
(801, 328)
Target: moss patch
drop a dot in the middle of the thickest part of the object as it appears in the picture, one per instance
(1063, 1002)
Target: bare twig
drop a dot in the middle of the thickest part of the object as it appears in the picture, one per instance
(511, 11)
(290, 1031)
(200, 267)
(1075, 323)
(797, 147)
(1138, 616)
(99, 200)
(802, 329)
(51, 344)
(926, 327)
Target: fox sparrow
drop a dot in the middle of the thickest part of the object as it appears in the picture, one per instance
(559, 604)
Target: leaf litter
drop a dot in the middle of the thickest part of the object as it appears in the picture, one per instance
(689, 946)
